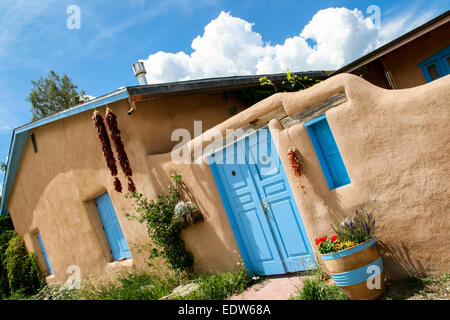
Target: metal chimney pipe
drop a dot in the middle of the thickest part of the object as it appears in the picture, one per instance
(139, 72)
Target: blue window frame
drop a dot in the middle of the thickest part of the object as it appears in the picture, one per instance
(327, 152)
(436, 66)
(117, 243)
(44, 252)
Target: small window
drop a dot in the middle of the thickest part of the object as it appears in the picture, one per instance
(44, 253)
(327, 152)
(33, 141)
(437, 65)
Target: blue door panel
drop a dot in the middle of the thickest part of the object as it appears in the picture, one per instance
(44, 252)
(273, 238)
(252, 229)
(118, 245)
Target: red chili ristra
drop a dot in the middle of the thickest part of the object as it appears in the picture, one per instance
(106, 144)
(295, 163)
(111, 120)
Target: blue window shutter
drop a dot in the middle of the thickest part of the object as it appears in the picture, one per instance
(327, 152)
(117, 243)
(47, 261)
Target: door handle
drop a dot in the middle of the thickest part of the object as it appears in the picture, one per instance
(264, 206)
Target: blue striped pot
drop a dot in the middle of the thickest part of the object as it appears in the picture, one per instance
(358, 271)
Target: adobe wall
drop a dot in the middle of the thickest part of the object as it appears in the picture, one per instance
(396, 147)
(55, 188)
(394, 143)
(403, 61)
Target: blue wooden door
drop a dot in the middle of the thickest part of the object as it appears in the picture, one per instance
(118, 245)
(260, 206)
(44, 252)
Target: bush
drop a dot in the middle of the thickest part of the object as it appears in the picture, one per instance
(5, 236)
(162, 227)
(5, 224)
(23, 272)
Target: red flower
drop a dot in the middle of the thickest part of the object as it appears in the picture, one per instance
(334, 238)
(320, 240)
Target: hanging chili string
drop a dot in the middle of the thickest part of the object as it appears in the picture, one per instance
(111, 120)
(117, 185)
(106, 148)
(295, 161)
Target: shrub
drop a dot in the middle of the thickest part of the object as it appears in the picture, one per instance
(23, 272)
(5, 224)
(5, 236)
(162, 228)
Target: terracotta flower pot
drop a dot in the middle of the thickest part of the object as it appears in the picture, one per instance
(358, 271)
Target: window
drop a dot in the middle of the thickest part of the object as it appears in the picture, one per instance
(327, 152)
(33, 141)
(47, 261)
(436, 66)
(117, 243)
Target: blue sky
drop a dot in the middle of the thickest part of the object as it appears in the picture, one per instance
(241, 37)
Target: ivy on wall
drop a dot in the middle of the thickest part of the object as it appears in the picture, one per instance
(162, 226)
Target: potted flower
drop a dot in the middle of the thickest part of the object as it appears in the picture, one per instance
(186, 214)
(352, 258)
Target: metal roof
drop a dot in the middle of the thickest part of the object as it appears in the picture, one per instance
(20, 134)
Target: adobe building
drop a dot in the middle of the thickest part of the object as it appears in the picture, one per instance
(417, 57)
(361, 145)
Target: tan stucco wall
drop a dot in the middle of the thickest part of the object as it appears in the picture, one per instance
(395, 145)
(55, 188)
(402, 62)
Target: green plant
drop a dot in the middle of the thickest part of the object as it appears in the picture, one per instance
(5, 236)
(292, 83)
(358, 230)
(315, 289)
(131, 286)
(162, 228)
(57, 291)
(213, 286)
(23, 272)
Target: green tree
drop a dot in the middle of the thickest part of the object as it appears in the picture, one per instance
(53, 94)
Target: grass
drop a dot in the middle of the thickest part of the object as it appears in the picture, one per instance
(131, 286)
(317, 286)
(220, 286)
(145, 286)
(435, 287)
(315, 289)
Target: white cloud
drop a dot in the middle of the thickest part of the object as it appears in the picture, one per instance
(229, 46)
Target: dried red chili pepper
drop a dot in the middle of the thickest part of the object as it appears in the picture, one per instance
(106, 144)
(117, 185)
(131, 186)
(294, 161)
(111, 121)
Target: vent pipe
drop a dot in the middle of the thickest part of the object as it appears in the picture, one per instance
(139, 72)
